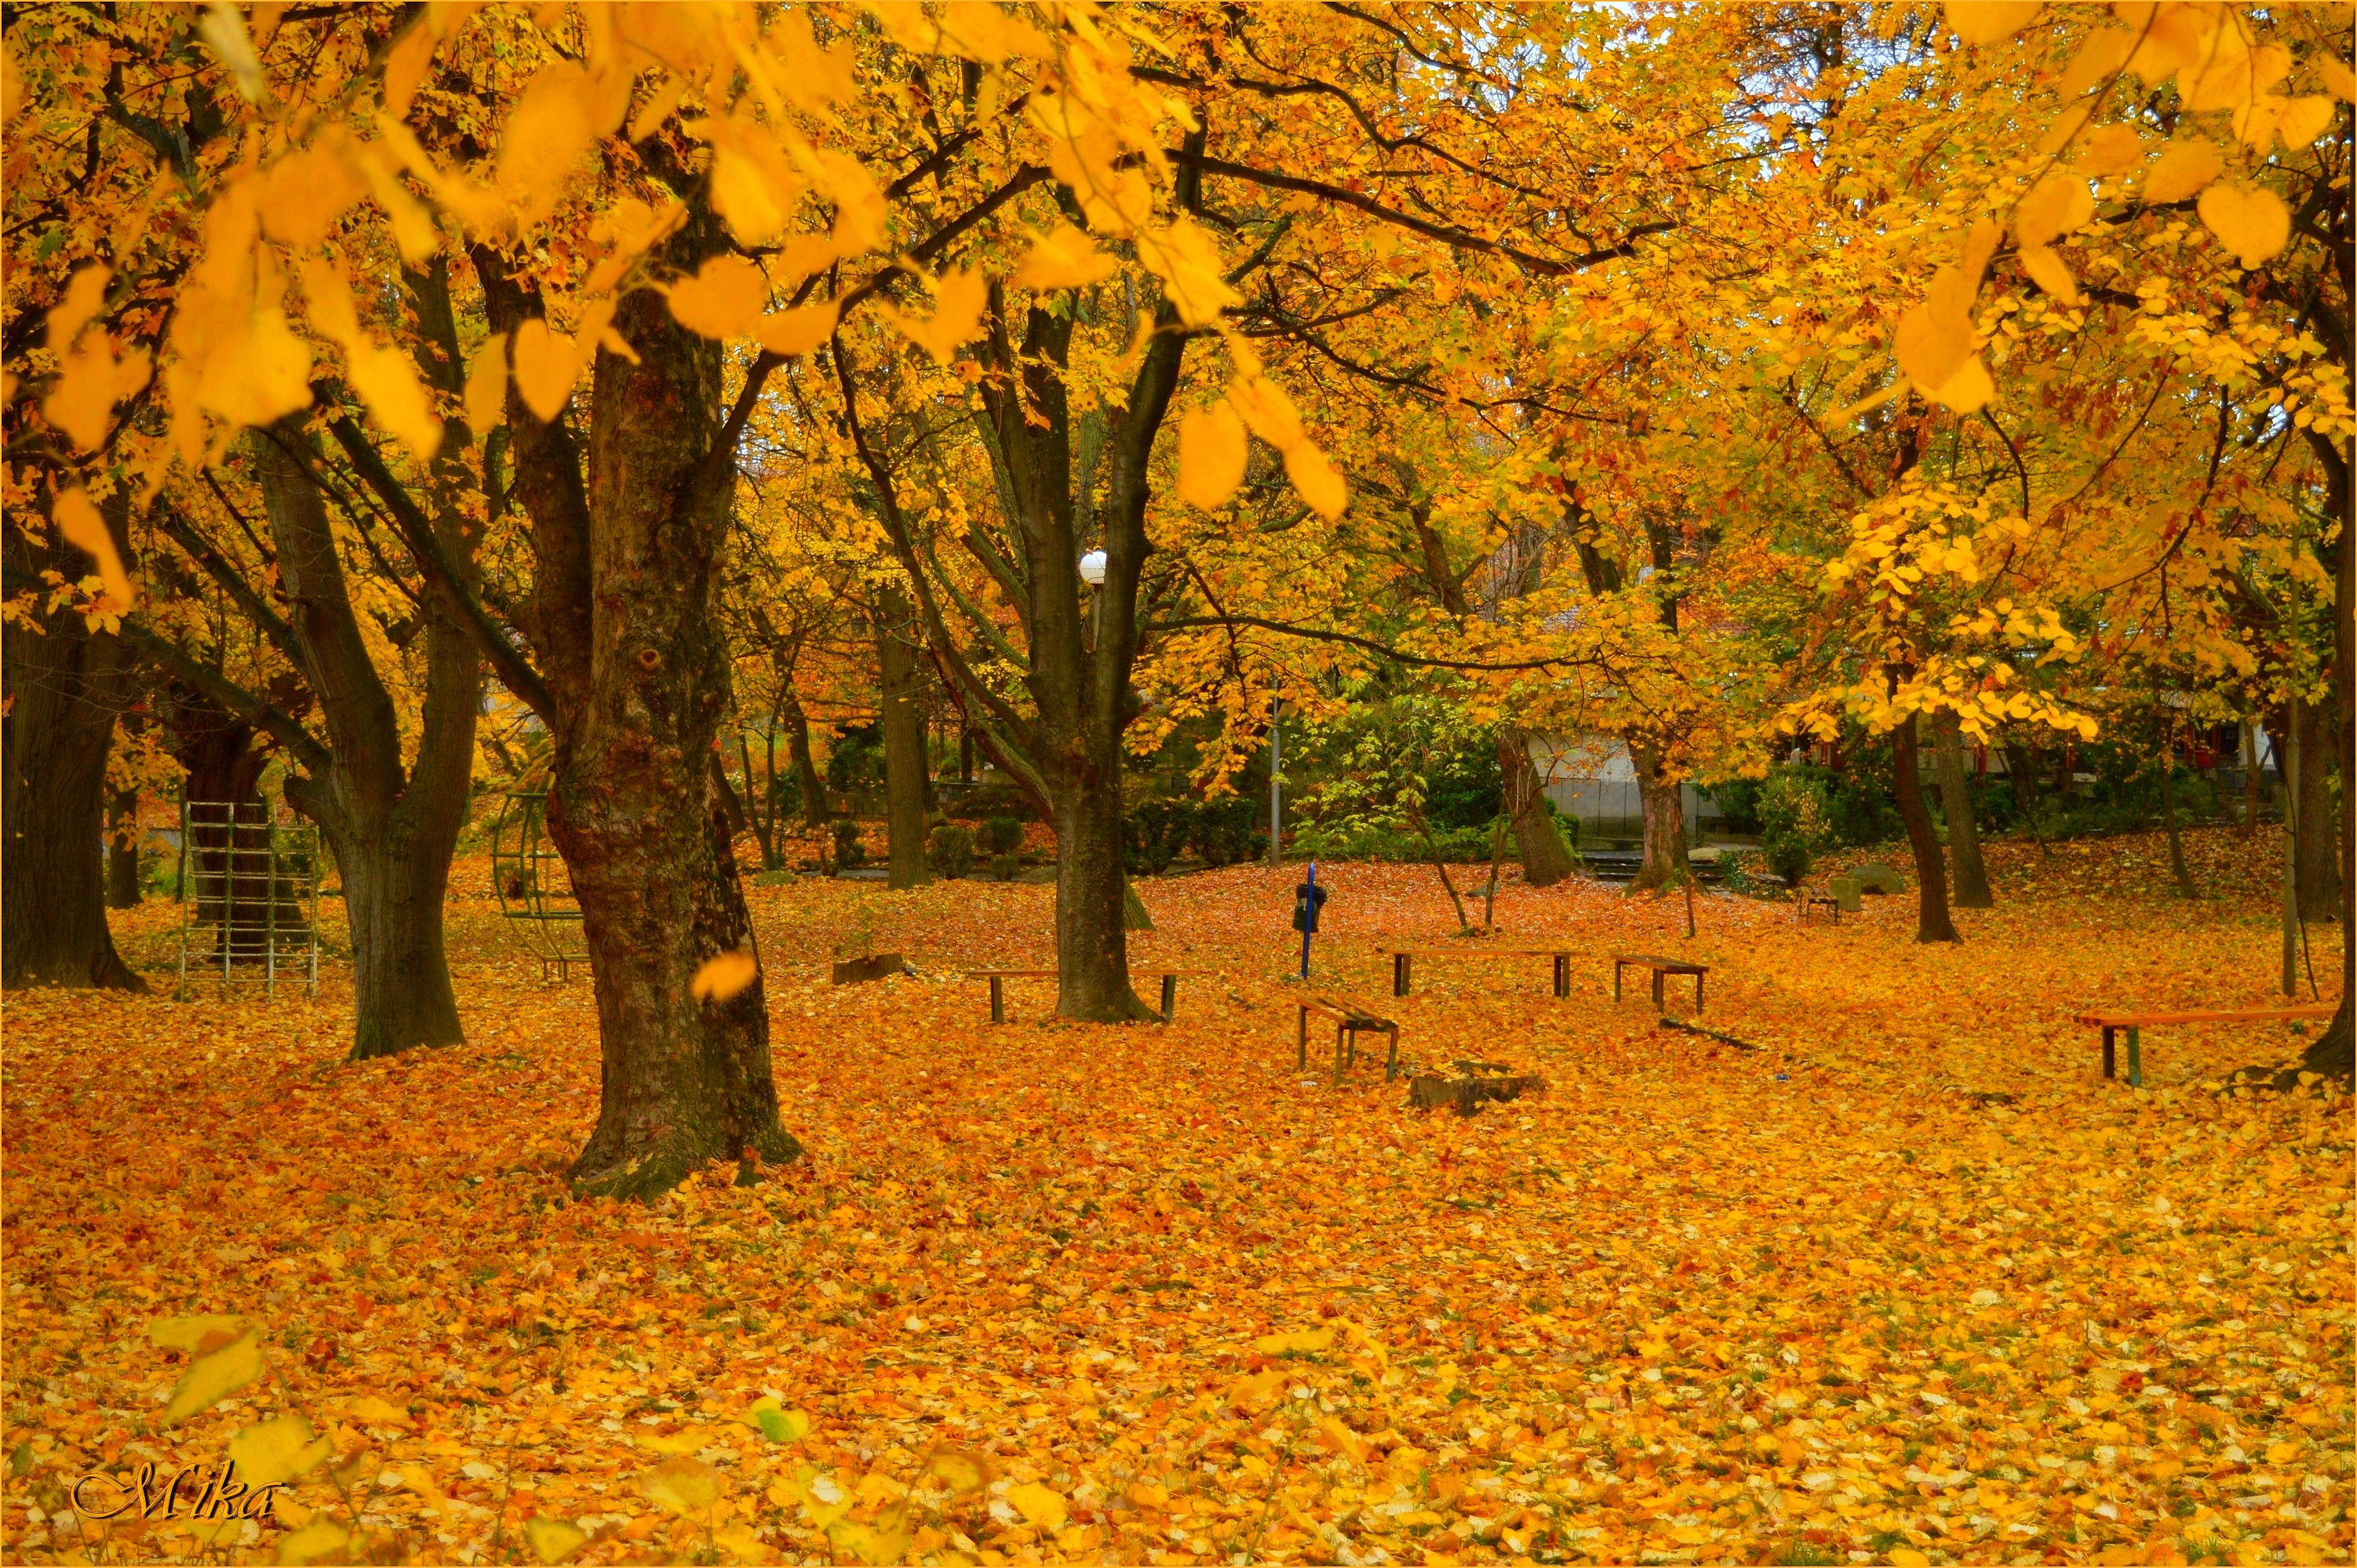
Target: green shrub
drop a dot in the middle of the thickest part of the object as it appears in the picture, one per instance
(1223, 832)
(1153, 834)
(1006, 867)
(1788, 855)
(1001, 835)
(848, 851)
(1455, 845)
(949, 851)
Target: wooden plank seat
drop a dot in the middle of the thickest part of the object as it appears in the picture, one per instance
(1403, 963)
(1663, 968)
(1805, 899)
(1349, 1022)
(999, 977)
(2113, 1023)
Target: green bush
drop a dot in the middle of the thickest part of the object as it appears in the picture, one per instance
(1006, 867)
(1153, 834)
(1001, 835)
(848, 851)
(949, 851)
(1788, 855)
(1455, 845)
(1223, 832)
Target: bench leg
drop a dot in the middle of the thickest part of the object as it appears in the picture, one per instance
(1697, 996)
(2108, 1050)
(1658, 1006)
(1616, 980)
(1169, 996)
(1341, 1033)
(997, 1000)
(2135, 1058)
(1301, 1054)
(1400, 967)
(1390, 1058)
(1562, 976)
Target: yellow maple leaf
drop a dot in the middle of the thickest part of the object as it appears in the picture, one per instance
(1316, 480)
(279, 1449)
(790, 333)
(682, 1485)
(1212, 455)
(322, 1539)
(2111, 149)
(1301, 1341)
(547, 363)
(957, 316)
(724, 299)
(2055, 206)
(213, 1378)
(1064, 258)
(1041, 1507)
(2249, 220)
(2184, 169)
(2048, 272)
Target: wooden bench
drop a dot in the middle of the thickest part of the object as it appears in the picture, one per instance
(1403, 960)
(1349, 1022)
(999, 977)
(1662, 968)
(1805, 899)
(2112, 1022)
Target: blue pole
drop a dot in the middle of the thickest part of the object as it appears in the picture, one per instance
(1309, 924)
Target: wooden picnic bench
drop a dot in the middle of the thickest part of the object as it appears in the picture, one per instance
(1805, 899)
(2112, 1022)
(1349, 1022)
(1662, 968)
(999, 977)
(1403, 962)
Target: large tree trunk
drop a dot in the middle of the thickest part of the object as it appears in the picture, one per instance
(65, 684)
(798, 746)
(1545, 860)
(630, 547)
(2316, 863)
(2181, 873)
(904, 745)
(392, 830)
(2334, 1052)
(1964, 832)
(1933, 921)
(1092, 908)
(123, 850)
(1665, 859)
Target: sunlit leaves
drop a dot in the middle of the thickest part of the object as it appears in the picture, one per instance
(1064, 258)
(213, 1377)
(1043, 1507)
(724, 299)
(2056, 205)
(723, 975)
(547, 363)
(79, 521)
(2183, 169)
(956, 318)
(554, 1540)
(1213, 452)
(1990, 21)
(682, 1485)
(2249, 221)
(279, 1449)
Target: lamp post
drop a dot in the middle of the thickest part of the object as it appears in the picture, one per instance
(1093, 572)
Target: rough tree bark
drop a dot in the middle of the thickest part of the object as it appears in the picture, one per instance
(798, 747)
(1972, 886)
(1933, 921)
(2181, 873)
(1547, 860)
(393, 830)
(903, 723)
(2334, 1052)
(65, 684)
(631, 538)
(1663, 796)
(123, 850)
(2316, 861)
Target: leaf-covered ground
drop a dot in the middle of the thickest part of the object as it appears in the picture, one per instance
(1908, 1282)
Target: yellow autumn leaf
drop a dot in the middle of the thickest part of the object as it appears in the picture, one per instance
(722, 976)
(2184, 169)
(195, 1335)
(2103, 55)
(791, 333)
(370, 1411)
(724, 299)
(754, 187)
(2336, 75)
(1989, 21)
(1266, 409)
(2048, 272)
(1184, 257)
(90, 381)
(957, 316)
(547, 131)
(1064, 258)
(2301, 122)
(2235, 77)
(279, 1449)
(554, 1540)
(405, 65)
(1965, 391)
(823, 1497)
(1908, 1557)
(1316, 480)
(860, 209)
(213, 1378)
(1932, 346)
(878, 1543)
(960, 1470)
(1042, 1508)
(2111, 149)
(487, 386)
(1212, 453)
(322, 1541)
(86, 529)
(2249, 221)
(2056, 205)
(1301, 1341)
(2171, 39)
(254, 377)
(546, 365)
(676, 1443)
(739, 1541)
(1342, 1440)
(396, 399)
(682, 1485)
(303, 193)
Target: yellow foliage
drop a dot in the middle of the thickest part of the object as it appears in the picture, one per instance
(86, 529)
(1212, 454)
(724, 299)
(2249, 220)
(723, 975)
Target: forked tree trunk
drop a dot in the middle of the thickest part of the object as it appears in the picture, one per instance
(2022, 763)
(393, 830)
(1545, 859)
(904, 745)
(1933, 921)
(123, 850)
(65, 684)
(1963, 832)
(1665, 821)
(798, 746)
(631, 542)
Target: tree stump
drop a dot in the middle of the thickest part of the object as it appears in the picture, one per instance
(1478, 1082)
(876, 966)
